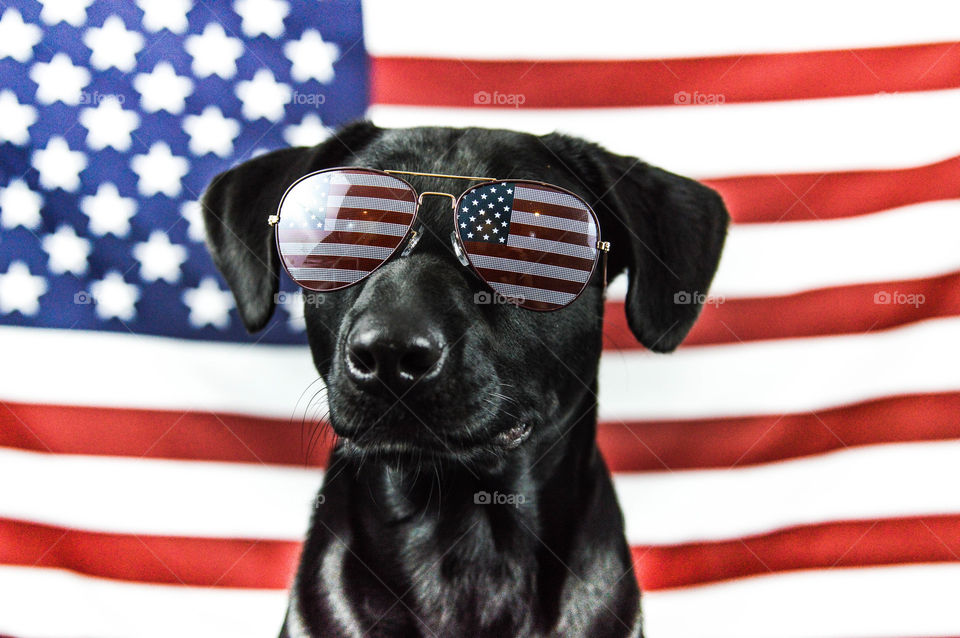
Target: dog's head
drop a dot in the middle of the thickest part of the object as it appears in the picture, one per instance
(412, 362)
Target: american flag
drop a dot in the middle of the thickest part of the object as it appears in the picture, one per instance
(532, 243)
(790, 471)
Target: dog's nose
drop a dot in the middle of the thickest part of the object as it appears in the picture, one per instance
(395, 357)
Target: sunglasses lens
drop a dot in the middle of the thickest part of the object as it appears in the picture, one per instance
(534, 244)
(336, 227)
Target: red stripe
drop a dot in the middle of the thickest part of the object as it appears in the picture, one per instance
(269, 564)
(610, 83)
(738, 441)
(553, 234)
(531, 281)
(818, 196)
(928, 539)
(554, 210)
(630, 446)
(830, 311)
(220, 562)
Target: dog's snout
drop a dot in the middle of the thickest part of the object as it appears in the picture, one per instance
(393, 357)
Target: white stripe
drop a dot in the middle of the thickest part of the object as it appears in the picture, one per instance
(336, 250)
(526, 293)
(156, 496)
(232, 500)
(327, 274)
(878, 481)
(765, 377)
(375, 203)
(815, 136)
(609, 29)
(53, 603)
(342, 178)
(529, 267)
(357, 226)
(872, 602)
(781, 376)
(913, 242)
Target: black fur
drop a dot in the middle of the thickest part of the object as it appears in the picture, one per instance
(399, 546)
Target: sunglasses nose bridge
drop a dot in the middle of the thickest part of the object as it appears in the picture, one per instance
(453, 199)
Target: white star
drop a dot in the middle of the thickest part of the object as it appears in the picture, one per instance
(109, 125)
(486, 236)
(17, 38)
(262, 16)
(479, 227)
(160, 171)
(463, 225)
(499, 199)
(108, 211)
(59, 79)
(490, 205)
(214, 52)
(160, 259)
(115, 297)
(19, 206)
(208, 304)
(191, 212)
(311, 57)
(15, 118)
(19, 290)
(73, 12)
(496, 230)
(170, 14)
(309, 132)
(211, 132)
(68, 251)
(483, 195)
(475, 202)
(163, 89)
(263, 96)
(504, 224)
(493, 189)
(112, 45)
(469, 235)
(465, 209)
(496, 214)
(502, 240)
(473, 219)
(59, 167)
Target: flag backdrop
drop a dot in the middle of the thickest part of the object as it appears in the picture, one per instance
(792, 470)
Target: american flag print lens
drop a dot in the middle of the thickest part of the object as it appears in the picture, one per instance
(534, 244)
(336, 227)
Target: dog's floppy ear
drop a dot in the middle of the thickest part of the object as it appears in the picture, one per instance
(667, 231)
(235, 210)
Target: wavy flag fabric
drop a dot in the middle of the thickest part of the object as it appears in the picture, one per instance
(791, 471)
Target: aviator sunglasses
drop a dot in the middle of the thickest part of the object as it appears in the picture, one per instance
(534, 244)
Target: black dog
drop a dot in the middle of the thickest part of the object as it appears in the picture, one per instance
(466, 398)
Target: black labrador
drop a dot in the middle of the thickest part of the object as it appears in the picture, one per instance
(467, 497)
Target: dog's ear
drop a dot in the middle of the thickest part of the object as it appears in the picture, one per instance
(667, 231)
(235, 210)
